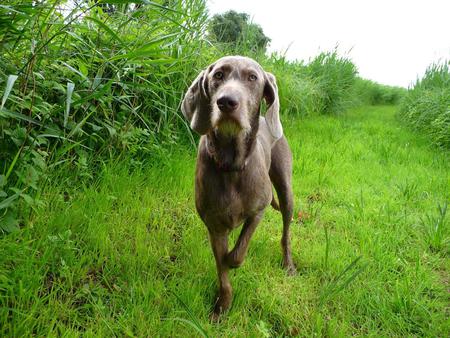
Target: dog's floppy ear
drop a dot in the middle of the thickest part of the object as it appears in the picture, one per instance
(196, 105)
(273, 103)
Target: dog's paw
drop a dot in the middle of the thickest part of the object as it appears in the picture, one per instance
(290, 268)
(215, 317)
(217, 314)
(222, 304)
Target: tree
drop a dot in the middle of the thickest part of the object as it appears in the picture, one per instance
(233, 27)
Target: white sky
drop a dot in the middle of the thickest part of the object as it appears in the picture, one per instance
(391, 42)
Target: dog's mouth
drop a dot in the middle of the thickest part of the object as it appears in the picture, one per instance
(231, 124)
(228, 126)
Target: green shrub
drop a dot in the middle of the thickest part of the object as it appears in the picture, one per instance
(426, 107)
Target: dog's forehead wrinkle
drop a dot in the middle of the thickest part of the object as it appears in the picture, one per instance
(240, 62)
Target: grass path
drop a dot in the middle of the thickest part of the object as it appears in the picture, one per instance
(128, 256)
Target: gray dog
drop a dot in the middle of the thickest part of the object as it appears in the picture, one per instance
(241, 154)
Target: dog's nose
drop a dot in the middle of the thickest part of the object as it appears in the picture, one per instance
(227, 104)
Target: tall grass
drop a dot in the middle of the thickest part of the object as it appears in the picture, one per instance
(89, 82)
(372, 93)
(83, 82)
(335, 77)
(426, 106)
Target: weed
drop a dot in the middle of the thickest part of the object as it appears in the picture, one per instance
(436, 229)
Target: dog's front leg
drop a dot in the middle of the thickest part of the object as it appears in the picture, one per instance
(236, 256)
(219, 243)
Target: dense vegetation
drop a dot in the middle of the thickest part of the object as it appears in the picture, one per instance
(87, 83)
(98, 232)
(426, 107)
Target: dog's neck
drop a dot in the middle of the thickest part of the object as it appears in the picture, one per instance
(230, 153)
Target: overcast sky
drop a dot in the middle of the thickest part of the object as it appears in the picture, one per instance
(390, 41)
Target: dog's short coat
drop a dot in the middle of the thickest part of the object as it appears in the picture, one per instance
(241, 154)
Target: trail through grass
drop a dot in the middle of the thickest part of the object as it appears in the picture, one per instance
(128, 255)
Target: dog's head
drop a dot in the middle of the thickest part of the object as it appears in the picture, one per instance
(227, 96)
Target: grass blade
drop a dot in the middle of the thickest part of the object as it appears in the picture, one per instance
(6, 113)
(336, 286)
(9, 85)
(106, 28)
(70, 88)
(193, 322)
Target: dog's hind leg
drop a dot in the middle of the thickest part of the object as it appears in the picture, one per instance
(281, 175)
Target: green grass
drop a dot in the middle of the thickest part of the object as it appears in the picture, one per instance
(127, 255)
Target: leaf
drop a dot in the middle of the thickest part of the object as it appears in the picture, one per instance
(7, 202)
(83, 68)
(9, 223)
(9, 85)
(28, 199)
(11, 9)
(105, 27)
(70, 87)
(7, 113)
(76, 71)
(149, 49)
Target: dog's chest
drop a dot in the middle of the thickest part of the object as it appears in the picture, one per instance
(227, 199)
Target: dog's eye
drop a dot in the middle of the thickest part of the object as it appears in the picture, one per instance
(218, 75)
(252, 77)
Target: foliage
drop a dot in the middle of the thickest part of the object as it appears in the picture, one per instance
(235, 29)
(299, 93)
(426, 106)
(81, 84)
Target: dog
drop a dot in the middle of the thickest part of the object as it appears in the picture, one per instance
(241, 154)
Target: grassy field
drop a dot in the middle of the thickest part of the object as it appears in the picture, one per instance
(128, 256)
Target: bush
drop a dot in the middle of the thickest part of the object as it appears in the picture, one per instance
(426, 107)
